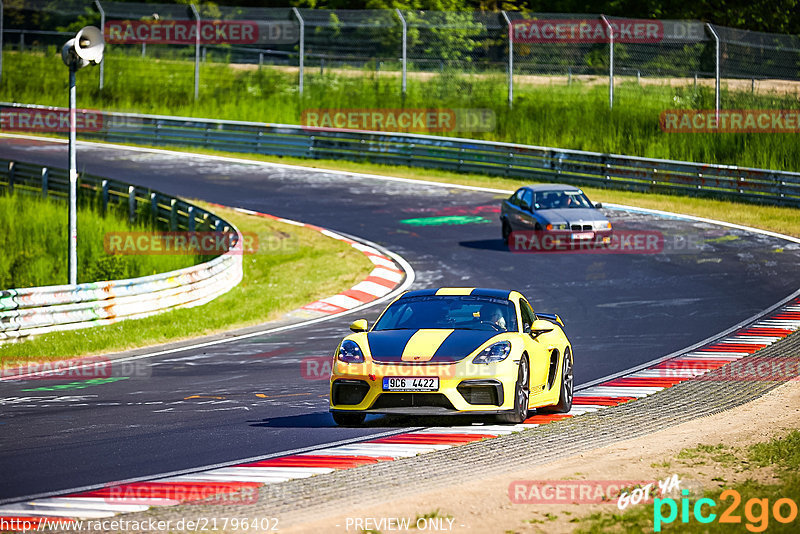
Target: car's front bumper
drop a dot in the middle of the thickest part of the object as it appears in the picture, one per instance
(463, 387)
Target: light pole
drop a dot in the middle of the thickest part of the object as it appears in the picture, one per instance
(86, 48)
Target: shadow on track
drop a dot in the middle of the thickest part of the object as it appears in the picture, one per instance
(324, 420)
(485, 244)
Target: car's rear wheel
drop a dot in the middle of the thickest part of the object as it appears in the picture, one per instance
(348, 418)
(521, 395)
(565, 397)
(506, 231)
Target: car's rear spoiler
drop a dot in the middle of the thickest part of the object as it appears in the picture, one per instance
(552, 317)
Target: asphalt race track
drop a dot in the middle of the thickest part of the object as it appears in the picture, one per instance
(249, 398)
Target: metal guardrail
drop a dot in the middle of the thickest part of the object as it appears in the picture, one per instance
(38, 310)
(446, 153)
(462, 155)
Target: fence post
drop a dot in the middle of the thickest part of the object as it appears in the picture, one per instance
(173, 215)
(610, 62)
(404, 50)
(2, 10)
(103, 30)
(196, 51)
(716, 67)
(302, 45)
(510, 59)
(154, 207)
(11, 168)
(104, 195)
(131, 203)
(45, 180)
(191, 221)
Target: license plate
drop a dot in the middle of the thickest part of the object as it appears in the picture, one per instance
(583, 235)
(419, 383)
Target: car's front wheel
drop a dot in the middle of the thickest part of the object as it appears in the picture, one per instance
(348, 418)
(521, 396)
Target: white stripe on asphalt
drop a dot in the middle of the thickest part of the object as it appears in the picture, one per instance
(712, 355)
(619, 391)
(682, 372)
(386, 274)
(749, 340)
(295, 472)
(367, 249)
(89, 503)
(227, 478)
(54, 511)
(343, 301)
(380, 260)
(372, 288)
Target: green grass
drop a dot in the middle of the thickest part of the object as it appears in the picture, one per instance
(33, 240)
(781, 453)
(293, 266)
(575, 116)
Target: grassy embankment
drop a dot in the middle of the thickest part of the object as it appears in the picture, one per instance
(575, 116)
(292, 267)
(782, 455)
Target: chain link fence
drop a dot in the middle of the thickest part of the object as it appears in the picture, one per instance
(508, 49)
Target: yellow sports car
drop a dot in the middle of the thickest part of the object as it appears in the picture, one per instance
(453, 351)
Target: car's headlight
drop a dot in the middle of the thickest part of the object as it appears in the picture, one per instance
(496, 352)
(350, 352)
(560, 226)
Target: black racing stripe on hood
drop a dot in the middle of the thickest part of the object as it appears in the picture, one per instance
(388, 345)
(461, 343)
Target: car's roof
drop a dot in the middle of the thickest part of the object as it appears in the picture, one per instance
(552, 187)
(471, 291)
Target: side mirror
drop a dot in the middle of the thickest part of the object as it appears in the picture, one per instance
(540, 326)
(598, 205)
(359, 326)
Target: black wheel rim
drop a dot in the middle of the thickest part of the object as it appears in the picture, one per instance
(523, 391)
(567, 379)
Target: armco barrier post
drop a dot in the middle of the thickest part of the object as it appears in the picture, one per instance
(610, 61)
(302, 47)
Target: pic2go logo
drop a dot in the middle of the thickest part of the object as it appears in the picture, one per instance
(756, 511)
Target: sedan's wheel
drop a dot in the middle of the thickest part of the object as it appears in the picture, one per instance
(565, 399)
(506, 231)
(348, 419)
(521, 396)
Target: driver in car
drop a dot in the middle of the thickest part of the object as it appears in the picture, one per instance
(493, 316)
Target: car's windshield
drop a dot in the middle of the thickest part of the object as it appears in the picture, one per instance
(546, 200)
(460, 312)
